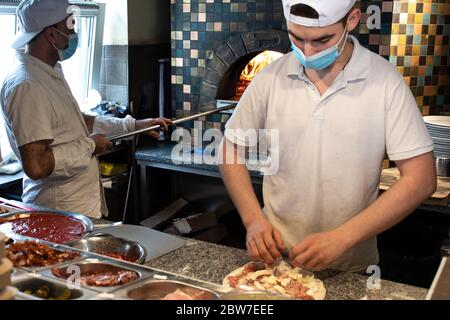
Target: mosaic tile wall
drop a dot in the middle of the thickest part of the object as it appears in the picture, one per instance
(414, 35)
(420, 49)
(199, 27)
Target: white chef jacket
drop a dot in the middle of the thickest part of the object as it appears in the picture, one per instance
(37, 104)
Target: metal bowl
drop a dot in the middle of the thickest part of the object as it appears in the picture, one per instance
(133, 251)
(88, 225)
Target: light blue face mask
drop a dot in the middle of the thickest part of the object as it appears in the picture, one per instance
(65, 54)
(323, 59)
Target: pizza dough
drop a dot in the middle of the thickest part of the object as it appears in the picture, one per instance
(280, 279)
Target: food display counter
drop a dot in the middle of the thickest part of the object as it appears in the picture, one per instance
(195, 270)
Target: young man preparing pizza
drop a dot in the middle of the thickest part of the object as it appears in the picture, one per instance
(339, 109)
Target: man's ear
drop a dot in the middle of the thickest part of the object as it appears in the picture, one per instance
(49, 34)
(353, 19)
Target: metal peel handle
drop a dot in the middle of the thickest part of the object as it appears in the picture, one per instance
(175, 122)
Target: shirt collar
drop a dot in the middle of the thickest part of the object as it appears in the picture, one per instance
(25, 58)
(357, 68)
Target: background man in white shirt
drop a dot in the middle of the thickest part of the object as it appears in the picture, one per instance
(47, 131)
(339, 109)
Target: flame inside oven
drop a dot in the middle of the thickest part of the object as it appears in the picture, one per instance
(255, 66)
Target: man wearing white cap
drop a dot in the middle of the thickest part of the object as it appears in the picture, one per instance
(46, 129)
(339, 109)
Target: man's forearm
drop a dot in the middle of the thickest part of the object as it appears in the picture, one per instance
(238, 182)
(389, 209)
(239, 185)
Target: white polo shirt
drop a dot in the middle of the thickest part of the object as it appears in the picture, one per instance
(331, 146)
(37, 104)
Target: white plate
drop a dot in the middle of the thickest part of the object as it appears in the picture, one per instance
(441, 145)
(442, 133)
(439, 121)
(435, 127)
(439, 135)
(440, 151)
(442, 139)
(441, 130)
(442, 155)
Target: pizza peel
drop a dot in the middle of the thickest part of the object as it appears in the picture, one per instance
(174, 122)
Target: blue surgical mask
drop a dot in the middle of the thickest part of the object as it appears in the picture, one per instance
(323, 59)
(65, 54)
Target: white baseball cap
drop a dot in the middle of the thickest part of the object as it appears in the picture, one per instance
(36, 15)
(330, 11)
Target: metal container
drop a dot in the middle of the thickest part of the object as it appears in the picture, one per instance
(104, 245)
(443, 166)
(86, 268)
(43, 289)
(4, 209)
(34, 269)
(88, 225)
(158, 290)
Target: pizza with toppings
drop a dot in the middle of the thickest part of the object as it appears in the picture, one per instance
(280, 279)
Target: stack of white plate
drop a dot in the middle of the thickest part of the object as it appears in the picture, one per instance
(6, 292)
(439, 128)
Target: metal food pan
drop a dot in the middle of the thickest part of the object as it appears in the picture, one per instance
(56, 289)
(93, 265)
(160, 286)
(158, 289)
(5, 209)
(43, 268)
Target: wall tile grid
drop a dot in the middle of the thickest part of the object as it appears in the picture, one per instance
(414, 35)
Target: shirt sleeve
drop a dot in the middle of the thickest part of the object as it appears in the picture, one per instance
(111, 126)
(72, 158)
(249, 116)
(406, 134)
(29, 112)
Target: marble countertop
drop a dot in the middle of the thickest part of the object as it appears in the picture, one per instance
(211, 262)
(161, 153)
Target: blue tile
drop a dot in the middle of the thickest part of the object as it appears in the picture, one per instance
(249, 15)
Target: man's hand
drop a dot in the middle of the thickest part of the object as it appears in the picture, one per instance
(264, 242)
(101, 143)
(146, 123)
(319, 250)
